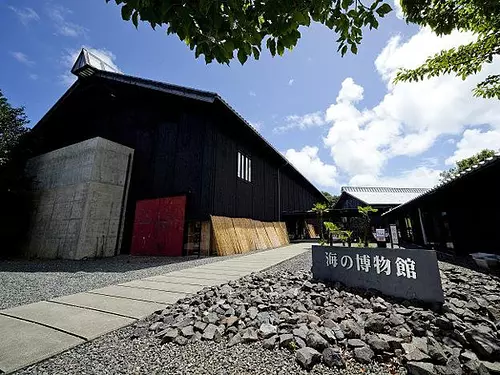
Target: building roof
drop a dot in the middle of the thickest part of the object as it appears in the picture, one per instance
(91, 68)
(382, 195)
(450, 181)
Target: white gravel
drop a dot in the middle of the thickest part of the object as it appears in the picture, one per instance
(117, 353)
(23, 281)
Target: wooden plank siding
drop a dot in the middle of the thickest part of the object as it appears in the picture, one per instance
(182, 146)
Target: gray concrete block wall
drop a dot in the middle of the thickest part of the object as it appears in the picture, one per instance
(78, 196)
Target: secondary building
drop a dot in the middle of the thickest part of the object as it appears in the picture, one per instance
(178, 155)
(451, 216)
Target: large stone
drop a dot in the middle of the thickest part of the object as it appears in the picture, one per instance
(355, 343)
(363, 354)
(301, 332)
(351, 329)
(420, 368)
(307, 357)
(436, 351)
(200, 326)
(235, 340)
(377, 344)
(230, 320)
(187, 331)
(484, 345)
(394, 342)
(266, 330)
(396, 320)
(492, 367)
(270, 343)
(250, 334)
(452, 367)
(476, 367)
(169, 334)
(412, 353)
(316, 341)
(211, 332)
(332, 358)
(252, 312)
(211, 318)
(375, 323)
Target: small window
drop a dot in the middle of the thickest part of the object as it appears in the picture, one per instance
(244, 167)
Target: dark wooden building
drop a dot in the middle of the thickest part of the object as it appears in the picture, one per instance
(460, 215)
(381, 198)
(186, 142)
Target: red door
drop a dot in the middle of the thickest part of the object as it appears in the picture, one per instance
(159, 227)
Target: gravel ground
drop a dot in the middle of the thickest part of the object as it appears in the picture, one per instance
(23, 281)
(117, 353)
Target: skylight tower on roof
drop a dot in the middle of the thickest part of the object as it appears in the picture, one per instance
(87, 63)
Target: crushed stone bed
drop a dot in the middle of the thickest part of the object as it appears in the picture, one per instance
(258, 324)
(23, 281)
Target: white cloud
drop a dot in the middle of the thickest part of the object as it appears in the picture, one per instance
(290, 82)
(22, 58)
(411, 116)
(69, 57)
(58, 15)
(310, 165)
(474, 141)
(25, 15)
(398, 9)
(252, 93)
(303, 122)
(33, 76)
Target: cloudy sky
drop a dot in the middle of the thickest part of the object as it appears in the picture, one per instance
(339, 120)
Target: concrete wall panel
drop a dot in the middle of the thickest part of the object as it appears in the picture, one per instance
(79, 194)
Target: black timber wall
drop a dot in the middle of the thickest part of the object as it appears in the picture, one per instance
(182, 146)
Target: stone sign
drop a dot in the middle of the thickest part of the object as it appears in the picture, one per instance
(409, 274)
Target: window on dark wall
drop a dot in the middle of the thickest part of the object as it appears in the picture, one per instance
(244, 167)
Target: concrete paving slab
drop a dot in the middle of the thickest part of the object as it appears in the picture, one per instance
(223, 271)
(183, 280)
(78, 321)
(116, 305)
(23, 343)
(148, 295)
(203, 275)
(166, 286)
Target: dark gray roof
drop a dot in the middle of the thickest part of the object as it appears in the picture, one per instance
(475, 168)
(376, 195)
(187, 92)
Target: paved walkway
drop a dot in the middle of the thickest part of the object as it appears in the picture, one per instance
(37, 331)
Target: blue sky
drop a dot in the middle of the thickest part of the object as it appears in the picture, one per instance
(339, 120)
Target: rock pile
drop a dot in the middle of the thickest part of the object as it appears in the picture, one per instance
(332, 324)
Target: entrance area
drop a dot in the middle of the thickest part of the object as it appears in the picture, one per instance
(159, 227)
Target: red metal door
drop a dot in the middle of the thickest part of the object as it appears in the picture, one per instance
(159, 227)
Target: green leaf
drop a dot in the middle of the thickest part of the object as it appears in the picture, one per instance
(242, 56)
(127, 12)
(354, 49)
(135, 19)
(343, 51)
(383, 9)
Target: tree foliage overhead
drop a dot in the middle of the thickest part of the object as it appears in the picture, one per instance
(482, 17)
(219, 28)
(13, 123)
(465, 164)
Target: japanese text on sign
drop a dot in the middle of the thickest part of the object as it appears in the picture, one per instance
(405, 267)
